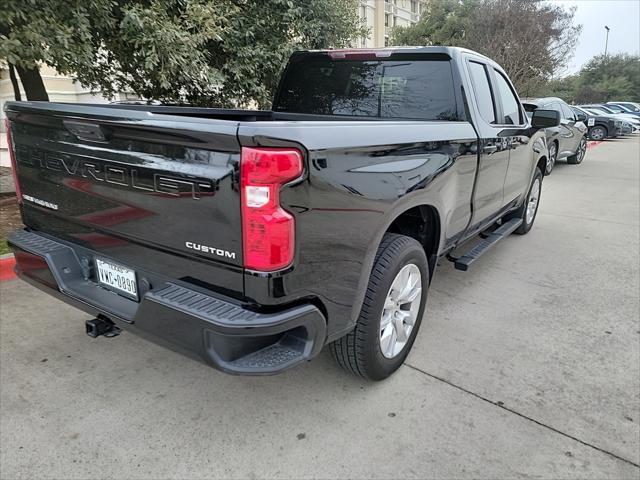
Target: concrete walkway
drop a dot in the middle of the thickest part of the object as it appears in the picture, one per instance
(526, 366)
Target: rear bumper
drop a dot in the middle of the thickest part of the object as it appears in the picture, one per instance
(222, 332)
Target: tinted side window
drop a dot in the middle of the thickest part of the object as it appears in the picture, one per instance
(510, 106)
(413, 87)
(555, 106)
(482, 90)
(567, 112)
(615, 108)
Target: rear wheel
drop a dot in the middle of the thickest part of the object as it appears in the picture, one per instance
(598, 133)
(551, 159)
(391, 312)
(529, 209)
(579, 155)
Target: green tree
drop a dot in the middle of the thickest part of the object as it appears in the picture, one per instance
(614, 77)
(222, 52)
(262, 35)
(563, 87)
(154, 48)
(443, 22)
(531, 39)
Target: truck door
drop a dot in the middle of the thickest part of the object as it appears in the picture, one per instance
(493, 148)
(564, 134)
(570, 122)
(513, 121)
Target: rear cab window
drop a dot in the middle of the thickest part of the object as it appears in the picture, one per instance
(396, 86)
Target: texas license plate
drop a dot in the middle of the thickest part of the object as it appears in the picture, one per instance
(115, 277)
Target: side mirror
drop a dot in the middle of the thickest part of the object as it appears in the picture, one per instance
(581, 117)
(545, 118)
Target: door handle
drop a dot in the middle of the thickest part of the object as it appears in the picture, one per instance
(490, 149)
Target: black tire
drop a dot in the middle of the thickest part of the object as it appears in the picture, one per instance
(598, 132)
(553, 156)
(579, 155)
(359, 352)
(522, 211)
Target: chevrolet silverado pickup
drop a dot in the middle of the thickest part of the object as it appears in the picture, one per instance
(252, 239)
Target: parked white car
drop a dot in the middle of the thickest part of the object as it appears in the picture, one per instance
(625, 117)
(629, 106)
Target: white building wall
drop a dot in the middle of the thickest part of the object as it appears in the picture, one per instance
(382, 15)
(61, 88)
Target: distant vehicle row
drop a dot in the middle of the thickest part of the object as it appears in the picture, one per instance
(579, 123)
(627, 121)
(568, 140)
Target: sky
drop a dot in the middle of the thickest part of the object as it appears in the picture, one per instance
(621, 16)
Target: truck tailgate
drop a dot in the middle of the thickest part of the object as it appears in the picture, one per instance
(147, 190)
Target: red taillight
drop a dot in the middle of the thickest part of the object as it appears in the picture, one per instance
(12, 158)
(268, 231)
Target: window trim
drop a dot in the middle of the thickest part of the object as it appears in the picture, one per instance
(475, 87)
(522, 113)
(562, 105)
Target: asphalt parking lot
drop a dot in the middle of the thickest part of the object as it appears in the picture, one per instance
(526, 366)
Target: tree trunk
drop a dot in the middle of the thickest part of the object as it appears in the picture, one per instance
(14, 82)
(32, 83)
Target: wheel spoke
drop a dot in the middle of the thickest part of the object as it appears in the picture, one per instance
(412, 282)
(408, 317)
(393, 338)
(413, 294)
(389, 303)
(401, 333)
(386, 338)
(386, 319)
(404, 277)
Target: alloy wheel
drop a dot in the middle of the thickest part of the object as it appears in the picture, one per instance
(400, 310)
(551, 161)
(532, 203)
(597, 133)
(582, 149)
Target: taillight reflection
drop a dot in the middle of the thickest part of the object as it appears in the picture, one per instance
(12, 158)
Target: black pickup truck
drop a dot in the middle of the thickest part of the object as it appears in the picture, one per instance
(252, 239)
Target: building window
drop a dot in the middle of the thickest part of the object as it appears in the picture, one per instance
(414, 6)
(386, 19)
(363, 14)
(386, 41)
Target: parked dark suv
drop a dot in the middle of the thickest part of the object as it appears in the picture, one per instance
(567, 140)
(599, 126)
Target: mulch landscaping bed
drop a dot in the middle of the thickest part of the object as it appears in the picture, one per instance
(9, 219)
